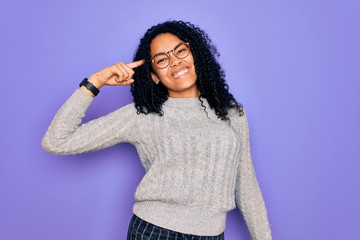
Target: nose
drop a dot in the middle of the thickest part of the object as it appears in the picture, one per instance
(174, 61)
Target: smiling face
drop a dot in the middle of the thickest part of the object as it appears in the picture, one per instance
(179, 77)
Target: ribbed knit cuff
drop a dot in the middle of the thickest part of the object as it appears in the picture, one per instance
(195, 221)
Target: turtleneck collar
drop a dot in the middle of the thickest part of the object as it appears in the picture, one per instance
(185, 102)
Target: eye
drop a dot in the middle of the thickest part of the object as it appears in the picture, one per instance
(182, 50)
(160, 60)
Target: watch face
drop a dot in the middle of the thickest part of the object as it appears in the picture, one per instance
(89, 86)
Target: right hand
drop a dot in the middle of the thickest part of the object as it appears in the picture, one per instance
(119, 74)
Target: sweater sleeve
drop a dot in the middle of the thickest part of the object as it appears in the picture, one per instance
(249, 198)
(68, 135)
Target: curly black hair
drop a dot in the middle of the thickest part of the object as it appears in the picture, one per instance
(149, 97)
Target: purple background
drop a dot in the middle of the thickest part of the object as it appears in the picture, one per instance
(295, 65)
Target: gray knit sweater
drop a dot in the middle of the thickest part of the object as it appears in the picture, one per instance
(197, 167)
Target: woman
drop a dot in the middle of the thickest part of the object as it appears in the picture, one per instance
(190, 133)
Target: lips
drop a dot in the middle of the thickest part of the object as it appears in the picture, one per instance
(180, 73)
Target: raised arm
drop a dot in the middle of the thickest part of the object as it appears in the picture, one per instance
(66, 133)
(248, 194)
(118, 74)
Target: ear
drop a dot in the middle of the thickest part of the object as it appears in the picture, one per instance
(155, 78)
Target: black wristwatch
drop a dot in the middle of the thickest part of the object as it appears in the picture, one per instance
(89, 86)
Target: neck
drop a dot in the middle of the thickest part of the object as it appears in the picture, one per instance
(194, 93)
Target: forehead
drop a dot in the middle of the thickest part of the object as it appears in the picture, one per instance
(164, 42)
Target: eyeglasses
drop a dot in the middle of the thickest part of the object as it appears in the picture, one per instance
(162, 59)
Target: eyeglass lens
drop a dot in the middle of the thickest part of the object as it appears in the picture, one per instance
(161, 60)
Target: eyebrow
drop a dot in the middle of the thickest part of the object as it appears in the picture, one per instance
(169, 50)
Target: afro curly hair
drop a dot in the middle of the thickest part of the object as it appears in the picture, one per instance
(149, 97)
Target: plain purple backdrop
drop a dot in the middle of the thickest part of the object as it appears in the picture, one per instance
(295, 65)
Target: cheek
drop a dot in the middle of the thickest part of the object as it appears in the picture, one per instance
(162, 73)
(192, 62)
(157, 71)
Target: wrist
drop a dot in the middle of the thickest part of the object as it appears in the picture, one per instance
(95, 81)
(89, 87)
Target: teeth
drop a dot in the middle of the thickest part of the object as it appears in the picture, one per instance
(181, 72)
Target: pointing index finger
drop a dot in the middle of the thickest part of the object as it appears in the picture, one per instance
(136, 63)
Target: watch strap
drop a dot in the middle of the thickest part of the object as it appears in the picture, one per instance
(89, 86)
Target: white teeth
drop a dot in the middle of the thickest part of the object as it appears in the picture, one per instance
(181, 72)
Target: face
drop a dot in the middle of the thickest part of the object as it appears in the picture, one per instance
(179, 77)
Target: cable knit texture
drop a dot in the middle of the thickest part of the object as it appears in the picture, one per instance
(197, 167)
